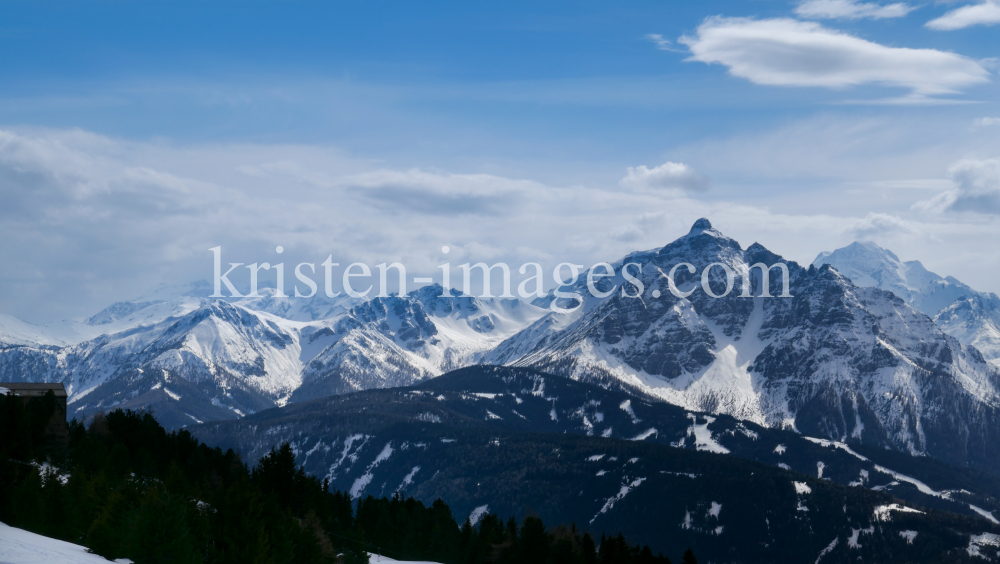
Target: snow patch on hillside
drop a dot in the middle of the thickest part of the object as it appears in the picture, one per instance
(644, 435)
(408, 479)
(18, 546)
(883, 512)
(977, 543)
(703, 437)
(624, 491)
(922, 487)
(626, 406)
(478, 514)
(362, 481)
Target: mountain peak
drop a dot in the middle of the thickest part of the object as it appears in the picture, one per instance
(430, 294)
(873, 247)
(701, 225)
(863, 256)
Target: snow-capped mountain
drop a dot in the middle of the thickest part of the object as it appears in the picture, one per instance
(867, 264)
(162, 303)
(974, 320)
(964, 313)
(398, 340)
(219, 360)
(14, 332)
(836, 360)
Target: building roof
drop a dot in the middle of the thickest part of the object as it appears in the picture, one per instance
(28, 389)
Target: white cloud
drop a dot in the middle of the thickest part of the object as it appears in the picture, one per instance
(669, 175)
(986, 121)
(977, 189)
(985, 13)
(626, 233)
(850, 9)
(877, 225)
(786, 52)
(662, 43)
(440, 194)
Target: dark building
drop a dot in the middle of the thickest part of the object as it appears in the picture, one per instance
(29, 390)
(57, 429)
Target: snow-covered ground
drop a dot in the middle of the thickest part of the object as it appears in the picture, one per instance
(18, 546)
(375, 559)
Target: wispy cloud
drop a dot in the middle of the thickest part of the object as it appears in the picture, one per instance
(985, 13)
(441, 194)
(851, 10)
(986, 121)
(786, 52)
(662, 43)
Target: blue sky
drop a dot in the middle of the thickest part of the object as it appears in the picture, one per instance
(136, 135)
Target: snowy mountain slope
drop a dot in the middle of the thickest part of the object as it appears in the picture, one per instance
(178, 299)
(512, 441)
(974, 320)
(214, 359)
(217, 361)
(317, 308)
(163, 302)
(117, 311)
(834, 361)
(14, 332)
(869, 265)
(122, 316)
(398, 340)
(156, 306)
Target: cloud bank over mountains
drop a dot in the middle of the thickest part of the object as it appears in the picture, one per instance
(87, 216)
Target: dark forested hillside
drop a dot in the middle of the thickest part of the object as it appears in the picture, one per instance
(514, 441)
(125, 488)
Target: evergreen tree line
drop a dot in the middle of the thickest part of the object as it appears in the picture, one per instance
(493, 541)
(126, 488)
